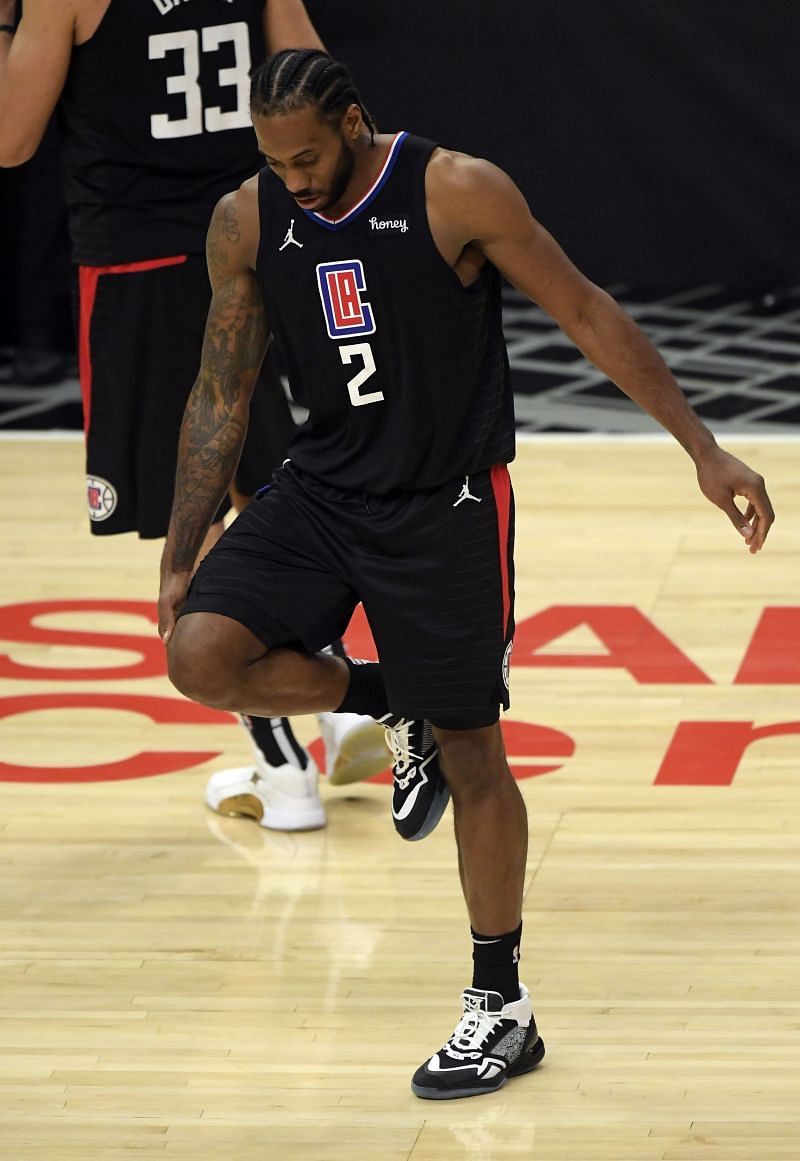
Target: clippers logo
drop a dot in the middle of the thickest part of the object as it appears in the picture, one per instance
(507, 668)
(101, 497)
(341, 286)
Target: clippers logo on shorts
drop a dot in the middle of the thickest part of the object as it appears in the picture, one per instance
(341, 286)
(507, 665)
(101, 497)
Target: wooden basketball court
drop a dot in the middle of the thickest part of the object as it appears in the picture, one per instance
(179, 985)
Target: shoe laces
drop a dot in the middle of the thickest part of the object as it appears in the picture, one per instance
(403, 758)
(470, 1033)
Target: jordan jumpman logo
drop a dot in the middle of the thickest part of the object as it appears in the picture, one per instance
(465, 494)
(290, 239)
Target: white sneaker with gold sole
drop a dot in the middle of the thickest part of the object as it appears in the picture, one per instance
(277, 797)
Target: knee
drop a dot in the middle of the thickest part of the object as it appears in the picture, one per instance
(198, 669)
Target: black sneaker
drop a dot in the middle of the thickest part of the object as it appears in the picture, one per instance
(420, 793)
(492, 1042)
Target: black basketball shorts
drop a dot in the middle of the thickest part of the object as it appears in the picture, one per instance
(434, 571)
(141, 331)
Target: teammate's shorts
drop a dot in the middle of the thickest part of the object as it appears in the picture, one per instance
(141, 331)
(434, 571)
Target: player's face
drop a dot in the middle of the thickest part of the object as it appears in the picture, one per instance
(313, 158)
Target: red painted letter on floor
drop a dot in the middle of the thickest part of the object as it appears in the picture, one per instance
(708, 753)
(143, 765)
(17, 624)
(773, 655)
(632, 642)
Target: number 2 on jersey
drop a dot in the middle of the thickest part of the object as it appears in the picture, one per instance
(363, 351)
(191, 43)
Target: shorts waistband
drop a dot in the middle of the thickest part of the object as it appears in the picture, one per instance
(311, 483)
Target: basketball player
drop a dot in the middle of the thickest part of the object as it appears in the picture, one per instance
(154, 96)
(375, 260)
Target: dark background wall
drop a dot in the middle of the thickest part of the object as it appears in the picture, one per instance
(660, 142)
(9, 212)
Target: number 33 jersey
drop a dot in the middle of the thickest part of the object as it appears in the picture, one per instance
(403, 369)
(157, 125)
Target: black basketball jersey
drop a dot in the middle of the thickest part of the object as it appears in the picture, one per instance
(157, 125)
(404, 370)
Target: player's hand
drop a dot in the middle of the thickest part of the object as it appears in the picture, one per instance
(722, 478)
(171, 596)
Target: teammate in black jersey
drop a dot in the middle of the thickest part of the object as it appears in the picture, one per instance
(153, 102)
(374, 258)
(154, 97)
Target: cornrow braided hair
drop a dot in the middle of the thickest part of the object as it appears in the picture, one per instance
(298, 77)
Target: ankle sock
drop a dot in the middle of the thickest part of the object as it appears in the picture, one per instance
(276, 741)
(366, 693)
(495, 960)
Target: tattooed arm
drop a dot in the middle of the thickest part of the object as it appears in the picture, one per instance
(215, 420)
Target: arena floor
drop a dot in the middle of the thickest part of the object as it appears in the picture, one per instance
(179, 985)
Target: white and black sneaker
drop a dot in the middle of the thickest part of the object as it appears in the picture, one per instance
(492, 1042)
(419, 793)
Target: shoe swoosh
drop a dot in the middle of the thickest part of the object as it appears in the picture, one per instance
(410, 799)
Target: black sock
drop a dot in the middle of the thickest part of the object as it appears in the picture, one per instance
(495, 960)
(366, 693)
(276, 741)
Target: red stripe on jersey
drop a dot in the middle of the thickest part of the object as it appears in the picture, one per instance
(88, 277)
(501, 486)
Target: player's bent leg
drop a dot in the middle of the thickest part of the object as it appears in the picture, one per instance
(207, 656)
(215, 660)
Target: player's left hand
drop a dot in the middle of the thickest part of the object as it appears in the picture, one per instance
(722, 478)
